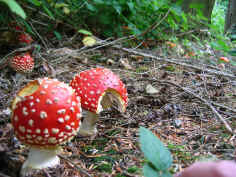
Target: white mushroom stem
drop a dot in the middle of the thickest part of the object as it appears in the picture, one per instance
(88, 126)
(39, 158)
(108, 99)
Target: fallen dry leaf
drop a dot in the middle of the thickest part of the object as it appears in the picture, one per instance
(125, 63)
(89, 41)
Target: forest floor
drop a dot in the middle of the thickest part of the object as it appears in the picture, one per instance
(181, 98)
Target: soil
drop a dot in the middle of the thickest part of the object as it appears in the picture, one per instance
(183, 122)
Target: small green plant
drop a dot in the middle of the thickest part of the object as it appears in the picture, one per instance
(159, 158)
(15, 7)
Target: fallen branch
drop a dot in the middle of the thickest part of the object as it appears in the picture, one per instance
(206, 102)
(219, 73)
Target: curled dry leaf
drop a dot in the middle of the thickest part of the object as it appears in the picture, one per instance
(151, 90)
(110, 62)
(89, 41)
(171, 44)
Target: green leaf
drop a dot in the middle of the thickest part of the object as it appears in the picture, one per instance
(35, 2)
(15, 7)
(58, 35)
(48, 12)
(233, 63)
(90, 7)
(232, 52)
(148, 171)
(83, 31)
(154, 150)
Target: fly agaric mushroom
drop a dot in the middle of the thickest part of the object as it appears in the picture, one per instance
(23, 63)
(99, 89)
(45, 114)
(25, 38)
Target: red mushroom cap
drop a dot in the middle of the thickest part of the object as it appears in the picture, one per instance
(25, 38)
(22, 63)
(92, 84)
(46, 113)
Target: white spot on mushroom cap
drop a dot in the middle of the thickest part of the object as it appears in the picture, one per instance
(68, 127)
(37, 100)
(42, 92)
(29, 131)
(67, 117)
(56, 99)
(48, 101)
(61, 111)
(22, 129)
(33, 110)
(78, 115)
(45, 86)
(24, 111)
(31, 104)
(72, 109)
(52, 140)
(60, 120)
(55, 130)
(43, 114)
(31, 122)
(61, 134)
(45, 131)
(38, 131)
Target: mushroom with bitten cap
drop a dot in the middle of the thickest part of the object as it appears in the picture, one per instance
(45, 114)
(99, 89)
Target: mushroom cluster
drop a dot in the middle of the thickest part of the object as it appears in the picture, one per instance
(45, 114)
(99, 89)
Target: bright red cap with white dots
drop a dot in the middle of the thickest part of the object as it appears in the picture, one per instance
(91, 85)
(46, 113)
(22, 63)
(25, 38)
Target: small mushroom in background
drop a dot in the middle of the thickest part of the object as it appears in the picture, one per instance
(25, 39)
(99, 89)
(45, 114)
(22, 63)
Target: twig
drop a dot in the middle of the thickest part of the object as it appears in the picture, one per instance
(206, 102)
(219, 73)
(223, 106)
(76, 166)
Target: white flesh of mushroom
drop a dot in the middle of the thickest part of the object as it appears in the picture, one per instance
(108, 99)
(39, 158)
